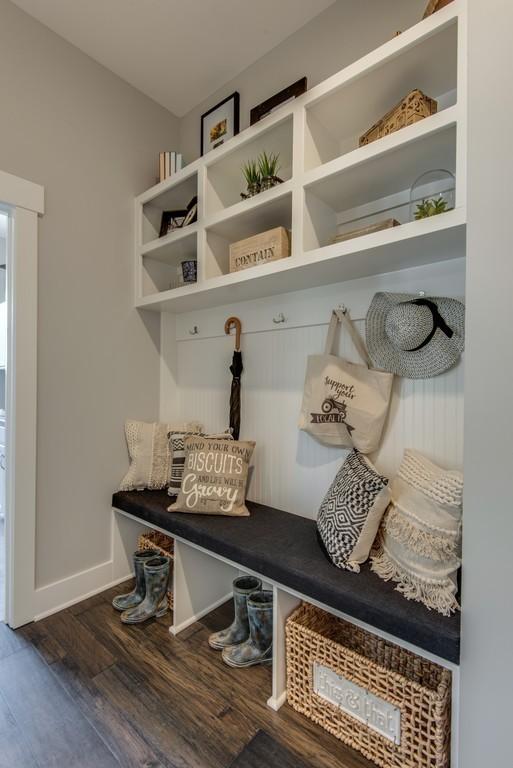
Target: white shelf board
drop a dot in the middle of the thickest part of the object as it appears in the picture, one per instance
(275, 137)
(411, 134)
(421, 242)
(397, 47)
(268, 209)
(182, 241)
(161, 189)
(388, 165)
(429, 64)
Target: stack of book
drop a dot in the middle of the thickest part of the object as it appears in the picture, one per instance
(169, 163)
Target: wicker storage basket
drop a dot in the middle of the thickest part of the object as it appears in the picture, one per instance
(163, 544)
(414, 107)
(419, 689)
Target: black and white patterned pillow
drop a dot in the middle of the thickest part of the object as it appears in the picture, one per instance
(351, 512)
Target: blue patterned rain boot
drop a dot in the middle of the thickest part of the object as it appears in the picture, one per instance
(258, 648)
(238, 631)
(156, 575)
(136, 596)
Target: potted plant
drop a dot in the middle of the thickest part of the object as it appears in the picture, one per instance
(432, 206)
(253, 179)
(268, 166)
(432, 193)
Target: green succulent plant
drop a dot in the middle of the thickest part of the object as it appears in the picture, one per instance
(268, 165)
(251, 173)
(431, 207)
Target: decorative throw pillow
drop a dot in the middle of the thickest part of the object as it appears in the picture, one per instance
(150, 457)
(351, 512)
(420, 538)
(215, 477)
(177, 448)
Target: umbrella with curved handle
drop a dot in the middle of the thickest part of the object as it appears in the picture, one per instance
(236, 370)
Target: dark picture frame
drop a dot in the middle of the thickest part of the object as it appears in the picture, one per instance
(280, 98)
(220, 123)
(171, 220)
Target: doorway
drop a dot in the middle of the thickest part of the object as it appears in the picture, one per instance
(21, 202)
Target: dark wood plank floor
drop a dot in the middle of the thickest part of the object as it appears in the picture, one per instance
(80, 690)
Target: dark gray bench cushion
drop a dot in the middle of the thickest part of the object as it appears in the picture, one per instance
(284, 547)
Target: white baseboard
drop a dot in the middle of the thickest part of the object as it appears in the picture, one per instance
(176, 629)
(61, 594)
(277, 703)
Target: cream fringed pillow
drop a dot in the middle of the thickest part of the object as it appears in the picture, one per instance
(150, 455)
(215, 476)
(419, 542)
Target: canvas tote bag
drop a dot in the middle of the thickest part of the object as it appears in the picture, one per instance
(345, 403)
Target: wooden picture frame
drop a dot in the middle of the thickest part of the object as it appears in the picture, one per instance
(280, 98)
(435, 5)
(220, 123)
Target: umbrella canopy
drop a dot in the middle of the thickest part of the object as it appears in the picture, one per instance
(236, 369)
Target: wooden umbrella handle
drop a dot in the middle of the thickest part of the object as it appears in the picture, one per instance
(236, 323)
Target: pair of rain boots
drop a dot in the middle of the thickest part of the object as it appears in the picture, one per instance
(149, 596)
(249, 639)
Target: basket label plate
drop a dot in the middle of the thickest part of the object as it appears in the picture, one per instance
(376, 713)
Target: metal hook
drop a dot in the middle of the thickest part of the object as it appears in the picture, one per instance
(194, 331)
(280, 319)
(342, 308)
(236, 323)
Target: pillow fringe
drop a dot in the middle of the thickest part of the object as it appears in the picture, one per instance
(422, 542)
(436, 596)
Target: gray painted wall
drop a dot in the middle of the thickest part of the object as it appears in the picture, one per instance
(92, 141)
(487, 641)
(340, 35)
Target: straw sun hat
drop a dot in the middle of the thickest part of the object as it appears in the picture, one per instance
(415, 337)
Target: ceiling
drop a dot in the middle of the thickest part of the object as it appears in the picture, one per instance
(178, 52)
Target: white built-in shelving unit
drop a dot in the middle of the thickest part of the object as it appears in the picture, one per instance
(329, 182)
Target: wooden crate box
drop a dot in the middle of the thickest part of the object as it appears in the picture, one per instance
(260, 249)
(414, 107)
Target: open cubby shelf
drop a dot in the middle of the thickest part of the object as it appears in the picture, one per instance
(330, 184)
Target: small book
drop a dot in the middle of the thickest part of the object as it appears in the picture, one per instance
(162, 175)
(179, 161)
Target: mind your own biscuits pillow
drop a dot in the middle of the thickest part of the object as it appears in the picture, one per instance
(214, 477)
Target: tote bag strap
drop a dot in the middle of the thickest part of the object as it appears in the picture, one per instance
(341, 316)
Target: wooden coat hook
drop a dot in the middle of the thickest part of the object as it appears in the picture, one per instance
(234, 322)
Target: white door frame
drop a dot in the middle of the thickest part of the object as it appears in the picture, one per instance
(25, 202)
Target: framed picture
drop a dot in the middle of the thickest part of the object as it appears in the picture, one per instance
(171, 220)
(220, 123)
(269, 105)
(192, 212)
(435, 5)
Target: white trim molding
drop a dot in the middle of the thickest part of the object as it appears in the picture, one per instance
(24, 201)
(20, 193)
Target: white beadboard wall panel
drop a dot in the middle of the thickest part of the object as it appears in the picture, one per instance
(291, 470)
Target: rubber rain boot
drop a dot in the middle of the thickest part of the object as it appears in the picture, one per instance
(238, 631)
(258, 648)
(156, 574)
(136, 596)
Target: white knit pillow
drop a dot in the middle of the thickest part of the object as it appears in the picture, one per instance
(150, 454)
(419, 542)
